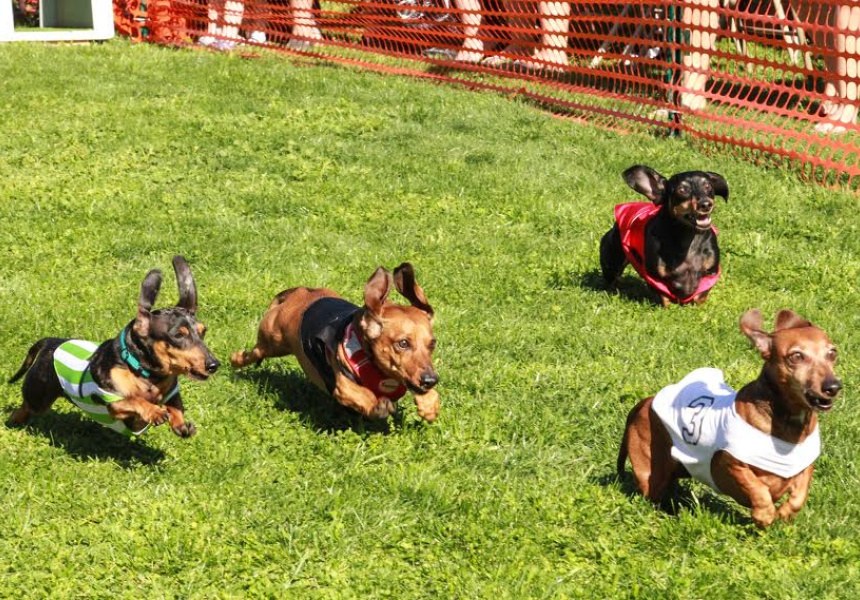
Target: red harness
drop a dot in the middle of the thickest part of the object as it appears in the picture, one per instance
(632, 219)
(365, 372)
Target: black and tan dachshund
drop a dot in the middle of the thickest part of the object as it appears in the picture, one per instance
(129, 382)
(671, 243)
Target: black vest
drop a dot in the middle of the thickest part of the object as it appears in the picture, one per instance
(322, 329)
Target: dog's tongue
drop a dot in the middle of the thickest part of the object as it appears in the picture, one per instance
(703, 221)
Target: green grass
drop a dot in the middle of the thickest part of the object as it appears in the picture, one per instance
(267, 174)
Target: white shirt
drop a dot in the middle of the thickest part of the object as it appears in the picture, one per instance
(699, 414)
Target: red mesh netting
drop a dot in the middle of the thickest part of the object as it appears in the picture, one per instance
(773, 80)
(129, 18)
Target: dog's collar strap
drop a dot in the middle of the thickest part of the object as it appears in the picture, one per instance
(365, 372)
(130, 359)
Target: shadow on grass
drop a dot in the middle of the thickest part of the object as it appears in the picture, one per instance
(317, 409)
(85, 439)
(629, 286)
(680, 497)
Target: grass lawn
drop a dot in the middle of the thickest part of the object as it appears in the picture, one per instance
(268, 174)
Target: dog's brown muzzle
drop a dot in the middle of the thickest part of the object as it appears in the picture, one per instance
(211, 365)
(824, 402)
(426, 382)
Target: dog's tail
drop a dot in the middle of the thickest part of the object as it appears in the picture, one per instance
(31, 357)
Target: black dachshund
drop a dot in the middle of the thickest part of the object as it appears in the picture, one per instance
(671, 243)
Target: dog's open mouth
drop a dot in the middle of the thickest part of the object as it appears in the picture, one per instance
(703, 221)
(819, 403)
(415, 389)
(197, 375)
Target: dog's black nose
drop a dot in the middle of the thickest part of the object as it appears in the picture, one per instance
(428, 380)
(705, 204)
(831, 387)
(212, 365)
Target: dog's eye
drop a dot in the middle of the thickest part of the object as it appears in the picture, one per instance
(796, 357)
(831, 354)
(432, 345)
(403, 344)
(684, 191)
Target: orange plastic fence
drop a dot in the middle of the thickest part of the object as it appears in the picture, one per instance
(773, 80)
(129, 18)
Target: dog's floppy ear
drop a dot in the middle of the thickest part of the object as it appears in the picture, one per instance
(787, 319)
(148, 293)
(751, 326)
(375, 293)
(185, 282)
(721, 186)
(647, 182)
(404, 281)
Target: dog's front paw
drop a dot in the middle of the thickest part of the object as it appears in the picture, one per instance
(185, 430)
(786, 512)
(700, 299)
(428, 405)
(158, 415)
(764, 516)
(384, 408)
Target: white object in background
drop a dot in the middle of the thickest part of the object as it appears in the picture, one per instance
(69, 20)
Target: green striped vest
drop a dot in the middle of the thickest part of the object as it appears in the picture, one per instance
(72, 363)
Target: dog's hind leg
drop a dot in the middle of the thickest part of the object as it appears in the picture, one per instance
(36, 402)
(649, 448)
(271, 342)
(269, 345)
(664, 468)
(622, 456)
(41, 387)
(612, 259)
(20, 415)
(243, 358)
(278, 329)
(38, 396)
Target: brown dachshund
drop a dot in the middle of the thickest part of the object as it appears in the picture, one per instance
(755, 445)
(366, 357)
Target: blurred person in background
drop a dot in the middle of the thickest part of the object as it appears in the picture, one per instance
(839, 47)
(547, 49)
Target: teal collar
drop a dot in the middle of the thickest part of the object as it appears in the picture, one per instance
(130, 359)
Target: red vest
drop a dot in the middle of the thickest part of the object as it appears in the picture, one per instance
(366, 373)
(632, 219)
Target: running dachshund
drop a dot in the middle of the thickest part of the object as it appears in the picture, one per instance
(671, 243)
(129, 382)
(366, 357)
(755, 445)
